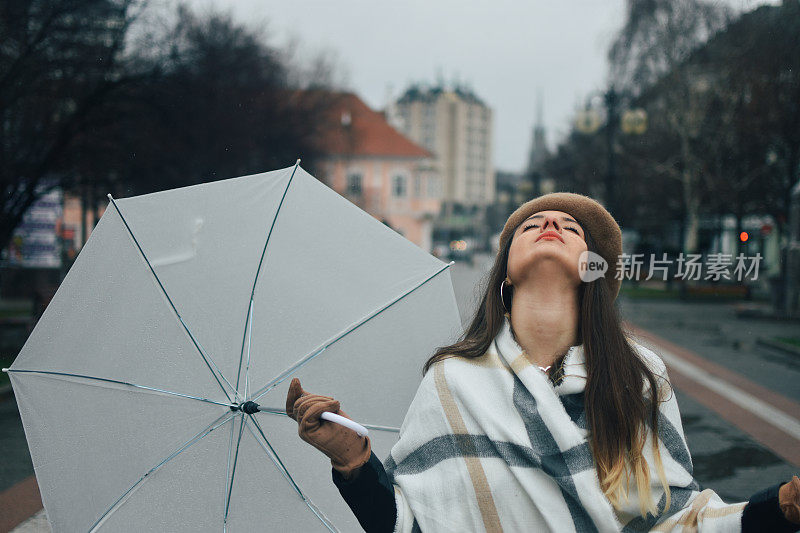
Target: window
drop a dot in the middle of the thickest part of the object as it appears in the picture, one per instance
(399, 186)
(354, 184)
(433, 187)
(417, 186)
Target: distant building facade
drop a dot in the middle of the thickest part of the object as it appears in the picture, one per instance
(370, 163)
(456, 126)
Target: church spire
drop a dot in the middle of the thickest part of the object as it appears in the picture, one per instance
(538, 151)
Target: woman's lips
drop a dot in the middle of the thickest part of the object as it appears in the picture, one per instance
(550, 235)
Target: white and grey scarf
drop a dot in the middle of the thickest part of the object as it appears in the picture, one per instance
(489, 444)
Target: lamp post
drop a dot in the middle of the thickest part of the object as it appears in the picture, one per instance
(611, 100)
(792, 280)
(630, 121)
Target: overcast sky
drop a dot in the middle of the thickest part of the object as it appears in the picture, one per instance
(506, 50)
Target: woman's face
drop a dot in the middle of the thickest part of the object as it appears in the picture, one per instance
(545, 243)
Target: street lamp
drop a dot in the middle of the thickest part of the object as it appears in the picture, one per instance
(631, 122)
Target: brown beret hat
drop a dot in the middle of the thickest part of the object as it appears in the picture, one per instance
(590, 215)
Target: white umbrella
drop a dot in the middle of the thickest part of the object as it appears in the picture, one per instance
(186, 303)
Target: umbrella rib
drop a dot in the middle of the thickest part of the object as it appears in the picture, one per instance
(255, 280)
(208, 429)
(207, 359)
(273, 455)
(249, 345)
(289, 371)
(281, 412)
(228, 473)
(126, 383)
(233, 473)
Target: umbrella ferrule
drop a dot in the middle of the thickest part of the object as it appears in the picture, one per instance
(248, 407)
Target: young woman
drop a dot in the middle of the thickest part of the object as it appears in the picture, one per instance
(545, 416)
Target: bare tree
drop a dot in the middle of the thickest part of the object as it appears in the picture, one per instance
(723, 112)
(647, 59)
(93, 103)
(320, 69)
(223, 105)
(60, 60)
(658, 35)
(728, 120)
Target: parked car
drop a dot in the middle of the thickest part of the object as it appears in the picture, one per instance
(462, 250)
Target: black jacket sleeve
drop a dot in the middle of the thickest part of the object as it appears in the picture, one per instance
(762, 513)
(370, 496)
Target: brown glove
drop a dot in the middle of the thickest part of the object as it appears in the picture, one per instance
(789, 500)
(347, 450)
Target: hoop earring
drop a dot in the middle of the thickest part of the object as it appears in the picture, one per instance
(502, 301)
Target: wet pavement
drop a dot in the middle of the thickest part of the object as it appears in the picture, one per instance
(725, 458)
(713, 331)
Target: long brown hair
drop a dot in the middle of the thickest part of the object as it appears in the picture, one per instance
(619, 405)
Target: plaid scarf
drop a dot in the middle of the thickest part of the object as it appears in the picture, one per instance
(490, 444)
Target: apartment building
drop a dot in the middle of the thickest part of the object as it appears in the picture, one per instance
(456, 126)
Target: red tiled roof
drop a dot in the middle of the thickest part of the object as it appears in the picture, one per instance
(367, 134)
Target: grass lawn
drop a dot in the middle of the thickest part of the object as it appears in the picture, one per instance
(705, 294)
(14, 313)
(794, 341)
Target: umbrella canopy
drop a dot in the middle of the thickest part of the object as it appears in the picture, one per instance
(186, 303)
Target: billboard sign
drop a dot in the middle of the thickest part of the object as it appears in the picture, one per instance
(35, 242)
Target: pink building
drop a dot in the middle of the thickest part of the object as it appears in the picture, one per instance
(374, 166)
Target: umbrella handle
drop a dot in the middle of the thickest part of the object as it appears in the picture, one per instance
(346, 422)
